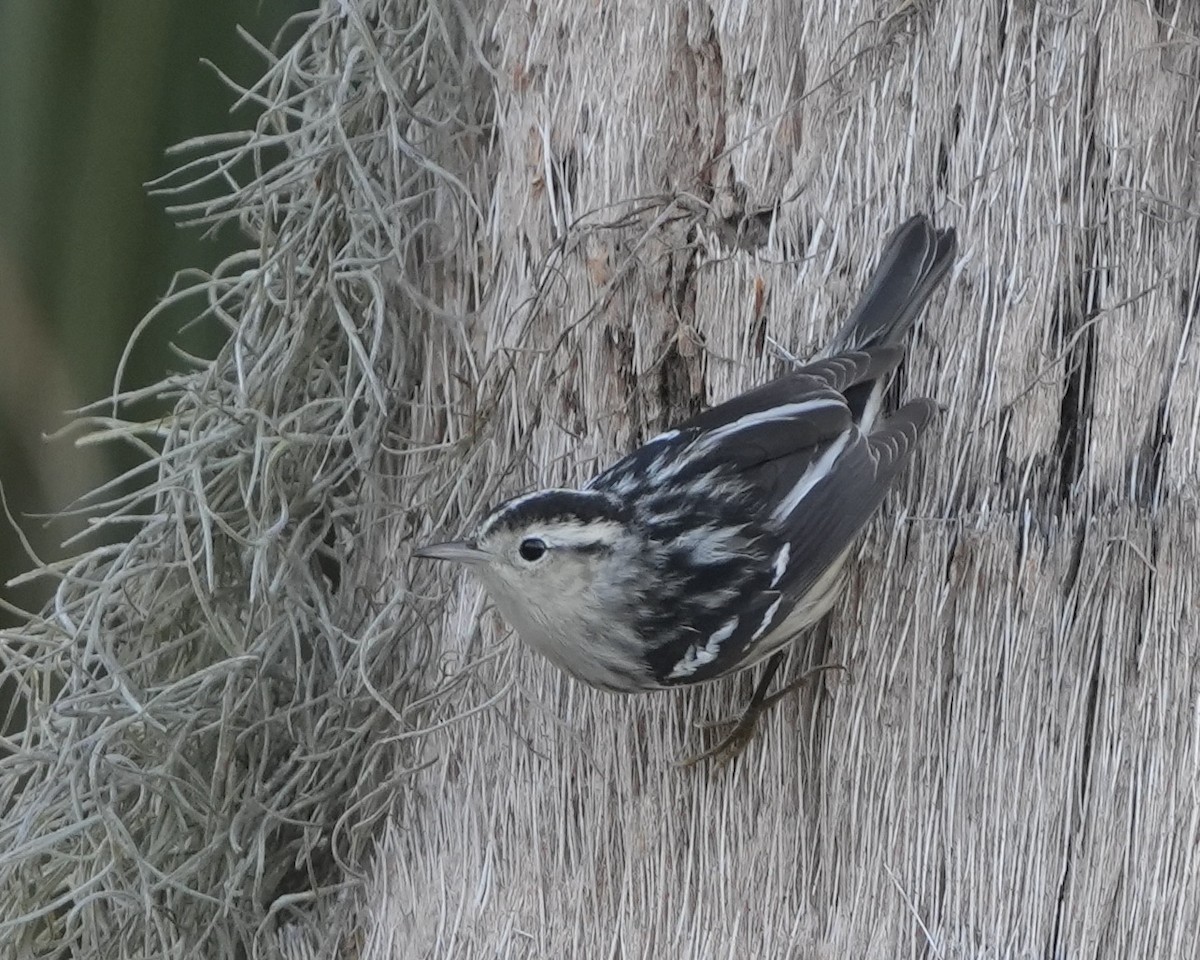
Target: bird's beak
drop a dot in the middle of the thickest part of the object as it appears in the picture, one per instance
(460, 551)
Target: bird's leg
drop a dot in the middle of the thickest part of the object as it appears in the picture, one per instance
(756, 698)
(743, 730)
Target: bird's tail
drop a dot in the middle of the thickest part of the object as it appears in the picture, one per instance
(914, 262)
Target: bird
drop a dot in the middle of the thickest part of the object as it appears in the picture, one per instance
(713, 545)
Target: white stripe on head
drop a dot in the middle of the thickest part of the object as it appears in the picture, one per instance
(551, 507)
(508, 507)
(575, 534)
(812, 476)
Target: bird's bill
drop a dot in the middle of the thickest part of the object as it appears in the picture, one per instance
(458, 551)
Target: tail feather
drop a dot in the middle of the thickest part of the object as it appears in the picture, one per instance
(897, 435)
(912, 265)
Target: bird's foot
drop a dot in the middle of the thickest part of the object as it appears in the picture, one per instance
(742, 733)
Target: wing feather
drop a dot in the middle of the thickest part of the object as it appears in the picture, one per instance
(798, 387)
(835, 506)
(789, 416)
(842, 371)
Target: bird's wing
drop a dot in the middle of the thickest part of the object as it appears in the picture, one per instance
(842, 371)
(779, 419)
(796, 387)
(794, 415)
(831, 500)
(712, 643)
(817, 509)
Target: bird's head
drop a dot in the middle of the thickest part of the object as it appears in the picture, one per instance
(561, 565)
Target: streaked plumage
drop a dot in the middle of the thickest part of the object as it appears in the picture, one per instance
(712, 545)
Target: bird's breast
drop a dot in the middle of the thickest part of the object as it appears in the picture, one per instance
(592, 650)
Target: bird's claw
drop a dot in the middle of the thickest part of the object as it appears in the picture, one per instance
(729, 746)
(742, 733)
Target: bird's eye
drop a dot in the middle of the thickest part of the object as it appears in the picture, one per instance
(531, 549)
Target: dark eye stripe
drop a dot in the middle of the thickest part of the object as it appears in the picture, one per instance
(588, 549)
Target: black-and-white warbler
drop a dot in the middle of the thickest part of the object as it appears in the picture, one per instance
(711, 546)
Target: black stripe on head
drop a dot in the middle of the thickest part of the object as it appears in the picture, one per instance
(555, 506)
